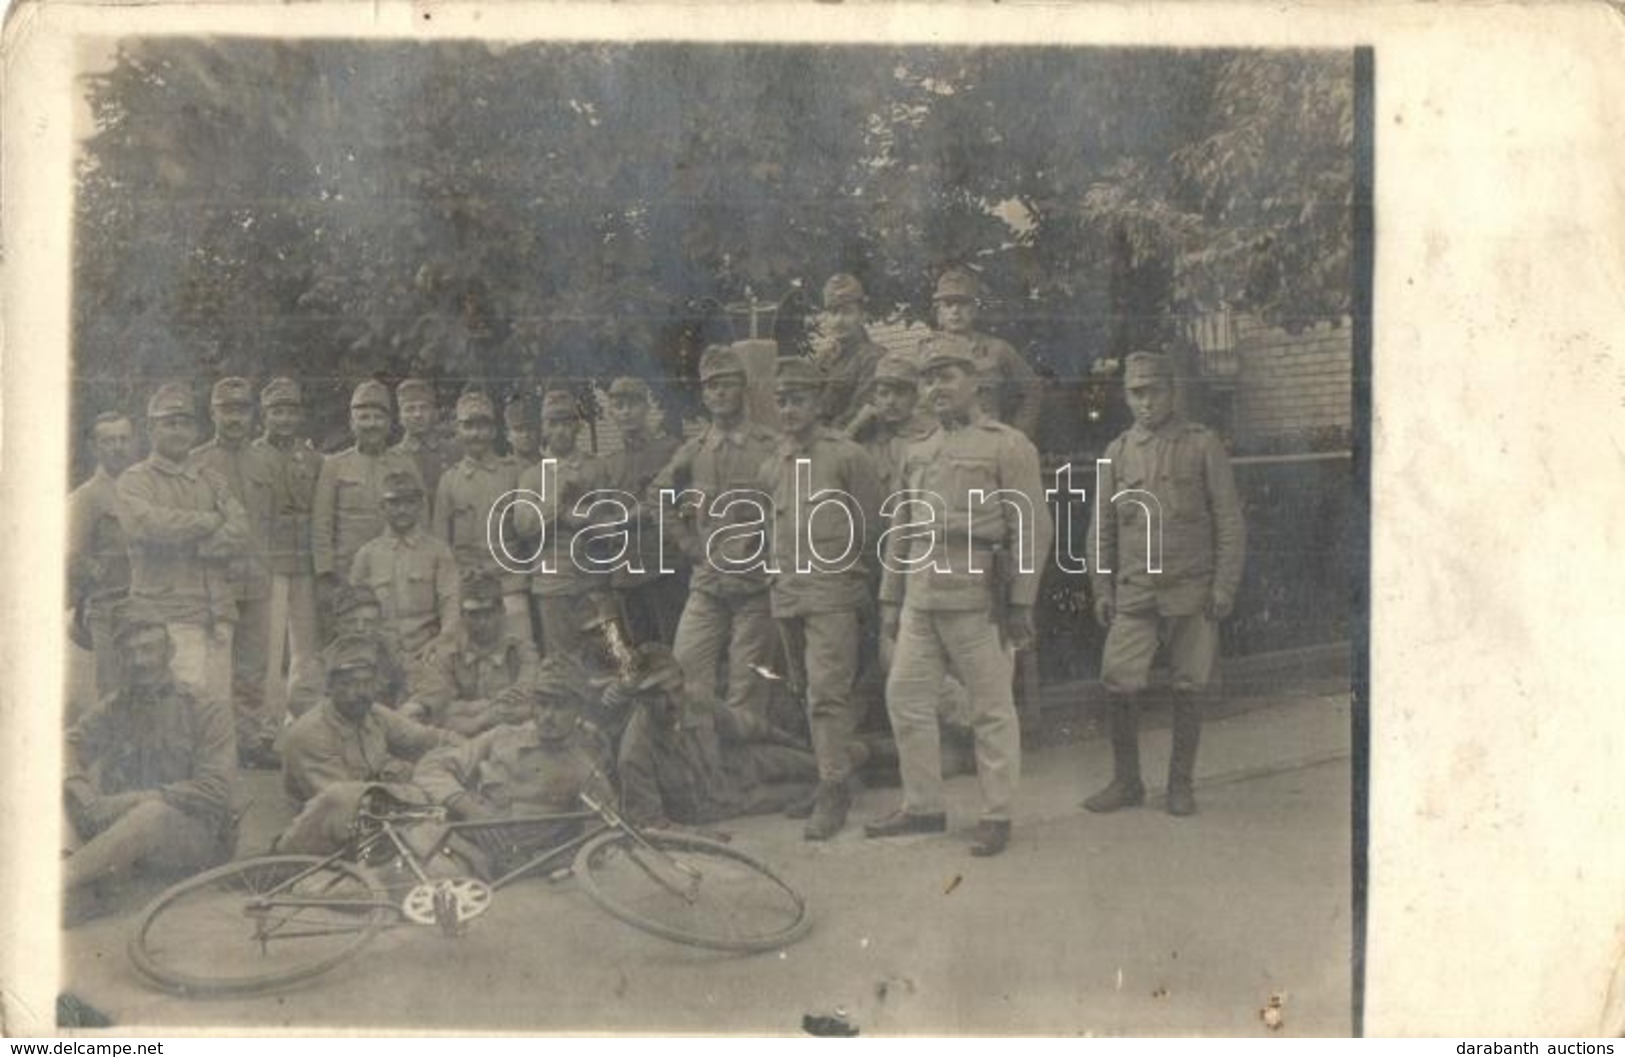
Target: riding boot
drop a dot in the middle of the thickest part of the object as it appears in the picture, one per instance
(829, 811)
(1126, 788)
(1187, 734)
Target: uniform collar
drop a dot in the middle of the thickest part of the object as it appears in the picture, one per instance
(974, 419)
(491, 461)
(170, 466)
(410, 541)
(470, 652)
(333, 716)
(716, 436)
(1140, 435)
(789, 447)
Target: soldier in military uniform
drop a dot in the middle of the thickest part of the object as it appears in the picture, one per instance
(849, 358)
(1184, 469)
(184, 528)
(357, 611)
(569, 595)
(522, 424)
(650, 603)
(967, 612)
(468, 492)
(413, 574)
(727, 612)
(251, 473)
(465, 671)
(348, 509)
(150, 770)
(98, 557)
(421, 439)
(298, 466)
(820, 591)
(889, 422)
(1011, 390)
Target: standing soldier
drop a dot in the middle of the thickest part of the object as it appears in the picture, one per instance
(888, 424)
(251, 473)
(413, 574)
(293, 576)
(98, 557)
(826, 501)
(467, 494)
(650, 602)
(349, 493)
(969, 610)
(849, 360)
(420, 433)
(1011, 390)
(1185, 470)
(524, 431)
(726, 612)
(184, 528)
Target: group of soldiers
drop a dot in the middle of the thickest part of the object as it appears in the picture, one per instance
(347, 618)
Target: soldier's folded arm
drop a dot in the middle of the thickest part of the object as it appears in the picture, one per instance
(146, 520)
(410, 739)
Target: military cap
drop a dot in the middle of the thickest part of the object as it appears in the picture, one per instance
(131, 615)
(280, 391)
(557, 678)
(797, 372)
(481, 590)
(943, 350)
(414, 389)
(628, 386)
(370, 393)
(473, 406)
(401, 484)
(172, 399)
(1146, 368)
(559, 403)
(654, 664)
(350, 597)
(956, 284)
(842, 289)
(232, 392)
(520, 413)
(351, 651)
(896, 367)
(719, 360)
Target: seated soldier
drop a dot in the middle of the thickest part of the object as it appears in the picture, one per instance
(685, 759)
(465, 670)
(356, 612)
(538, 767)
(150, 768)
(335, 752)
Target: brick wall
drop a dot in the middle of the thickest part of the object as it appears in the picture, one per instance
(1292, 384)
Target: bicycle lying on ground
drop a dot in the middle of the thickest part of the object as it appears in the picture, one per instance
(267, 922)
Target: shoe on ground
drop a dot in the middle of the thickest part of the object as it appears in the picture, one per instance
(900, 823)
(992, 837)
(829, 813)
(1115, 797)
(1181, 801)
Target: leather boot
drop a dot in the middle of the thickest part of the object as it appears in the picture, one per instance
(830, 806)
(1126, 788)
(1187, 719)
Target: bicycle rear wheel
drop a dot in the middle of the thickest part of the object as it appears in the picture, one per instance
(692, 890)
(257, 924)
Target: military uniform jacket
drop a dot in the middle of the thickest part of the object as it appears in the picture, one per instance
(431, 456)
(415, 579)
(631, 470)
(518, 773)
(170, 740)
(838, 466)
(297, 469)
(887, 448)
(322, 748)
(462, 508)
(849, 370)
(1012, 392)
(346, 512)
(251, 473)
(455, 669)
(1185, 467)
(97, 551)
(951, 463)
(712, 463)
(178, 560)
(574, 476)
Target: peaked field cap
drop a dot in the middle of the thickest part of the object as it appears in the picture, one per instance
(957, 284)
(350, 597)
(172, 399)
(796, 372)
(626, 385)
(1146, 368)
(559, 403)
(521, 412)
(474, 406)
(349, 652)
(842, 289)
(946, 350)
(131, 615)
(399, 484)
(719, 360)
(232, 392)
(556, 678)
(279, 392)
(370, 393)
(414, 389)
(481, 590)
(896, 367)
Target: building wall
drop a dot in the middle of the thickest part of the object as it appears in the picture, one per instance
(1292, 384)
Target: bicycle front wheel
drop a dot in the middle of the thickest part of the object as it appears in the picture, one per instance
(257, 924)
(692, 890)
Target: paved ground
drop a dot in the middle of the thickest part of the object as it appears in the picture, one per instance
(1135, 923)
